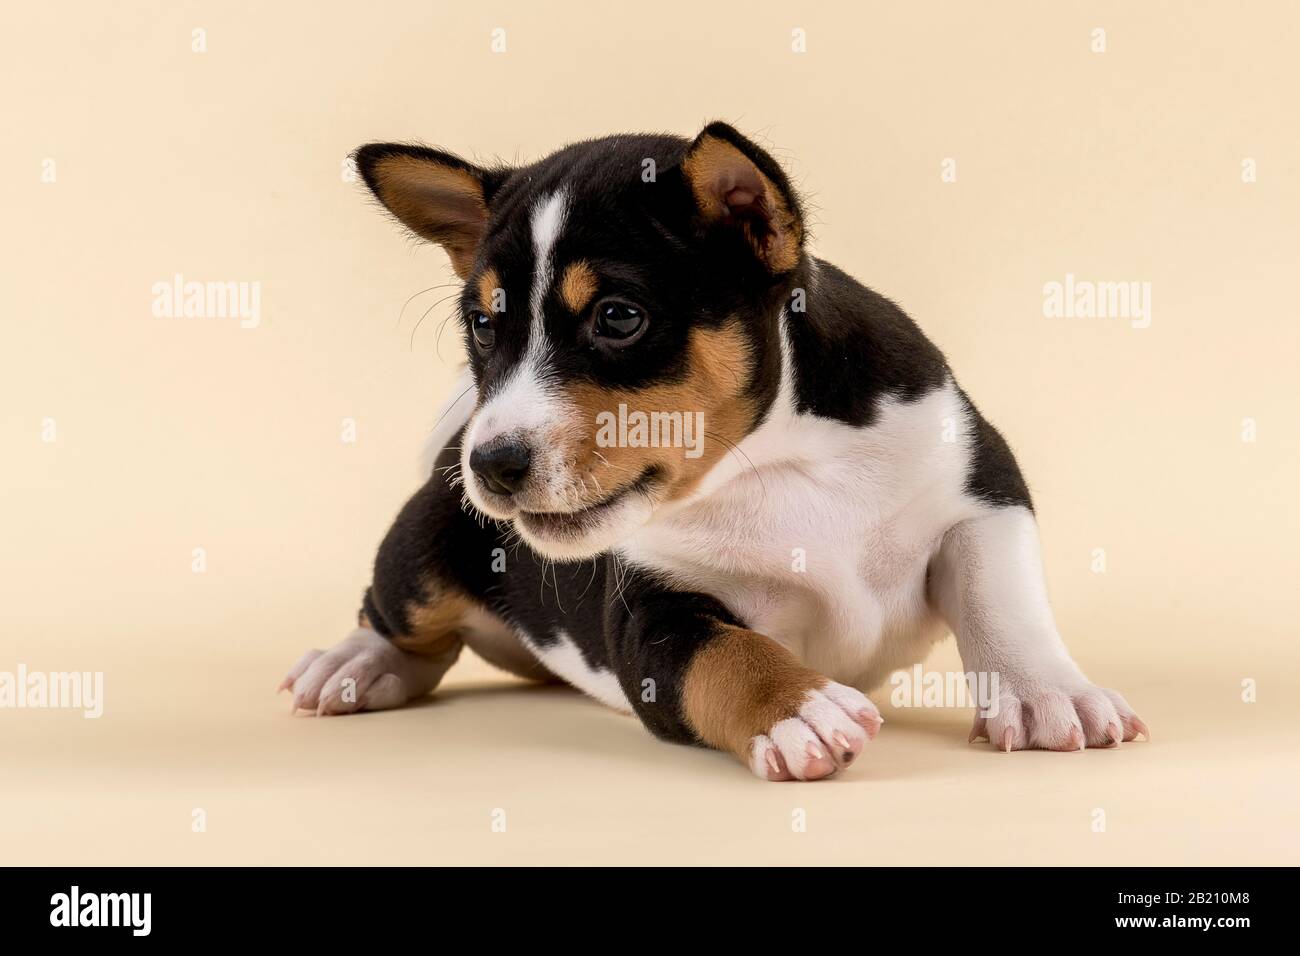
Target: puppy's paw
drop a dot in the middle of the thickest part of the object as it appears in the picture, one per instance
(834, 723)
(1033, 716)
(366, 671)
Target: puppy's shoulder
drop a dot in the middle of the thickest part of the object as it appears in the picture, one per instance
(851, 346)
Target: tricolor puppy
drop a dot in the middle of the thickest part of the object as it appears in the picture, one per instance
(696, 472)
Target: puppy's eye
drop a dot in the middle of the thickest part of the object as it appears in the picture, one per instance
(618, 321)
(480, 324)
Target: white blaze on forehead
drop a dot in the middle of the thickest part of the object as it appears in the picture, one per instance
(525, 401)
(548, 219)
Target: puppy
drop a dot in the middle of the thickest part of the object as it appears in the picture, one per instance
(697, 473)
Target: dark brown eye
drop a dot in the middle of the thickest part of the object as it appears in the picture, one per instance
(480, 324)
(618, 321)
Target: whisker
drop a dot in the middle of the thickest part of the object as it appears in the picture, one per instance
(426, 315)
(555, 584)
(449, 408)
(734, 449)
(590, 582)
(437, 342)
(402, 311)
(620, 582)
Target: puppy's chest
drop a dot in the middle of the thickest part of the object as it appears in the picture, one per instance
(830, 560)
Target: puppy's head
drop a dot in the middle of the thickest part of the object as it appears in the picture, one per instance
(620, 311)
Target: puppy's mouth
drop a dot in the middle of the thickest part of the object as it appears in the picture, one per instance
(567, 525)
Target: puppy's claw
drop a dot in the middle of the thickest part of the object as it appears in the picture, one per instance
(773, 764)
(1008, 738)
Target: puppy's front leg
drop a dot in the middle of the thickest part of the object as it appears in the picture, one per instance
(987, 582)
(696, 674)
(431, 571)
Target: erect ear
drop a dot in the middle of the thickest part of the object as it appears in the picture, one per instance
(737, 185)
(436, 195)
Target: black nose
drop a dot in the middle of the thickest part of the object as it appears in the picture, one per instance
(501, 464)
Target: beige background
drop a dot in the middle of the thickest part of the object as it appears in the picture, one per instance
(175, 434)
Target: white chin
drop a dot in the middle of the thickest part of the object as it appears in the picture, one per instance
(563, 538)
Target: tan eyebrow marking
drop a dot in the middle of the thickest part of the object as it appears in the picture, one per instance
(578, 285)
(488, 283)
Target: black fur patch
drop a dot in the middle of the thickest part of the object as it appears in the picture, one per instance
(432, 543)
(853, 346)
(993, 477)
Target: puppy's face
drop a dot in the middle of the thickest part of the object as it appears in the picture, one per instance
(620, 311)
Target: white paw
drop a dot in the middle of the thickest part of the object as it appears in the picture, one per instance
(1046, 716)
(366, 671)
(833, 725)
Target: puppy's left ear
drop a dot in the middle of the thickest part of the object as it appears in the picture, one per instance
(739, 186)
(438, 196)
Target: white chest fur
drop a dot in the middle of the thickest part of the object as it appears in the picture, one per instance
(819, 534)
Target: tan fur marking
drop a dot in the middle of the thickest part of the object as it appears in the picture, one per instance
(435, 625)
(578, 286)
(712, 168)
(488, 283)
(739, 685)
(717, 377)
(441, 203)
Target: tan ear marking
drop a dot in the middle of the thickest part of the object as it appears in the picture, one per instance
(439, 202)
(578, 286)
(728, 185)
